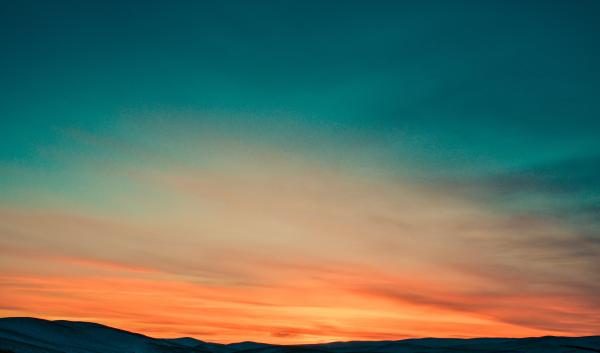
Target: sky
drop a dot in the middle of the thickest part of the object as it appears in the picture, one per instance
(302, 171)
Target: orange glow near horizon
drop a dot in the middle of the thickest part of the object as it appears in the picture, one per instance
(285, 314)
(280, 249)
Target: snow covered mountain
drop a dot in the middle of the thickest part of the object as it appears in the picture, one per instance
(30, 335)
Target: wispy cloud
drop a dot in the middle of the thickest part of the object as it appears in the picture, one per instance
(272, 235)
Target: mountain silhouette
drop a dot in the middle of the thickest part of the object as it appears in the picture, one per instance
(32, 335)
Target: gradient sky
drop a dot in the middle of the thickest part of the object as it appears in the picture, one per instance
(302, 171)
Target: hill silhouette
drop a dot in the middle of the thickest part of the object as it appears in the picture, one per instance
(32, 335)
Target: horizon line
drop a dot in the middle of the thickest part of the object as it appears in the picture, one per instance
(291, 344)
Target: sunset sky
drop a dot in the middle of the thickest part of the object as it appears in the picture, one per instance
(302, 171)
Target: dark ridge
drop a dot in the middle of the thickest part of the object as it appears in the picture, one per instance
(583, 348)
(33, 335)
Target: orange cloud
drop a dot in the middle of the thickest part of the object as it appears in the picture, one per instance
(168, 308)
(272, 247)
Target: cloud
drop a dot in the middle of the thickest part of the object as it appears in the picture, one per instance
(252, 242)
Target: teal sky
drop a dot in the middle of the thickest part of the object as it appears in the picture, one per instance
(494, 105)
(462, 89)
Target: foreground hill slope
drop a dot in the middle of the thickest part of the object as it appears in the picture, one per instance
(30, 335)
